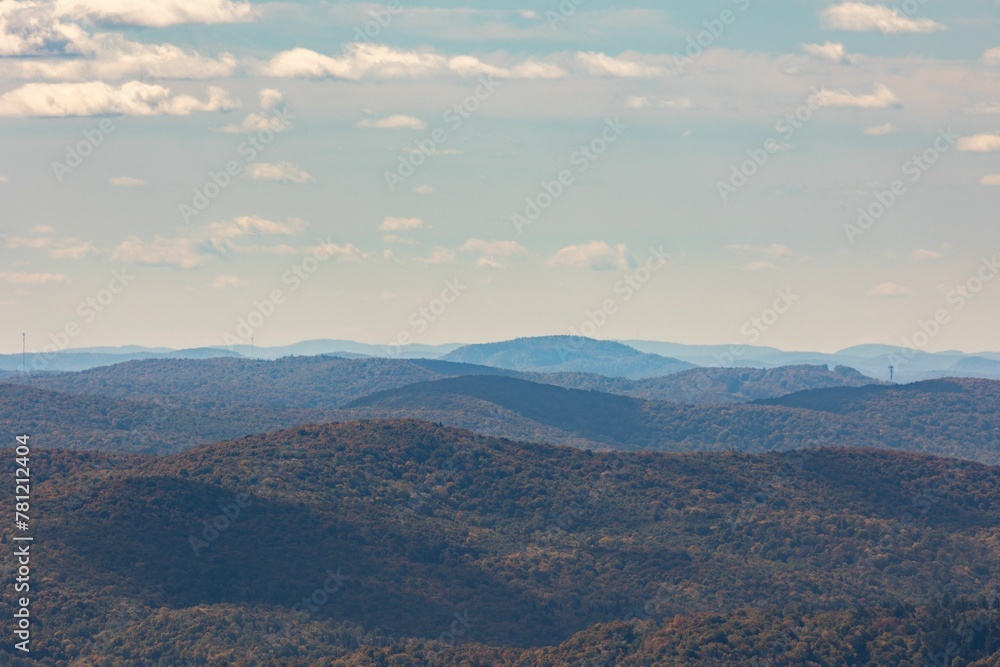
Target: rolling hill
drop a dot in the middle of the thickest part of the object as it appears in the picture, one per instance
(74, 421)
(167, 405)
(350, 544)
(714, 385)
(959, 418)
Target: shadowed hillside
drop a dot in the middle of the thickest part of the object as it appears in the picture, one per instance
(411, 525)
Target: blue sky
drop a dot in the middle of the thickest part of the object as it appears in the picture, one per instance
(749, 158)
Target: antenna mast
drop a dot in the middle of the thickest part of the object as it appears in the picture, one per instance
(892, 373)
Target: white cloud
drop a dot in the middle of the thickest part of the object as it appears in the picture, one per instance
(832, 51)
(342, 253)
(636, 102)
(759, 266)
(991, 56)
(679, 103)
(596, 255)
(114, 58)
(271, 100)
(502, 248)
(601, 64)
(97, 98)
(157, 13)
(439, 256)
(24, 243)
(283, 172)
(880, 99)
(75, 250)
(23, 278)
(365, 60)
(218, 238)
(859, 17)
(888, 290)
(984, 107)
(265, 250)
(773, 250)
(395, 122)
(225, 281)
(127, 181)
(180, 252)
(980, 143)
(488, 263)
(402, 224)
(879, 130)
(926, 255)
(41, 241)
(257, 122)
(253, 225)
(990, 179)
(31, 28)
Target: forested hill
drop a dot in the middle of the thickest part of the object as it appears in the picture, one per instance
(959, 418)
(411, 528)
(714, 385)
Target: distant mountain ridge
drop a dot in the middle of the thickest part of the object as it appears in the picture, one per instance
(872, 360)
(569, 354)
(534, 355)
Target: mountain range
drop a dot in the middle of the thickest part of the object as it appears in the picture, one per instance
(631, 358)
(165, 405)
(502, 506)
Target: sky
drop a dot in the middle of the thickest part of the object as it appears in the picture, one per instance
(795, 173)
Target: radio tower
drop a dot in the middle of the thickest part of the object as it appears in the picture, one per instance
(892, 373)
(24, 365)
